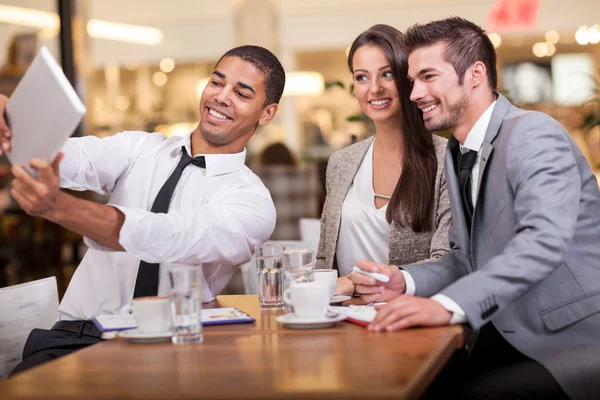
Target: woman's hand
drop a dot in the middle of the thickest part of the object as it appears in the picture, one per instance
(344, 286)
(373, 291)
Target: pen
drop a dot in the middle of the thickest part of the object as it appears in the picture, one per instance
(377, 276)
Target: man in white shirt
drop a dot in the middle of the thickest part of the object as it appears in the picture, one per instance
(524, 266)
(178, 200)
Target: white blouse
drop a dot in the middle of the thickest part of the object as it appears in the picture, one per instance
(364, 231)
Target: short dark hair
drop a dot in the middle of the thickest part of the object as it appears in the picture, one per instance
(466, 43)
(268, 64)
(413, 195)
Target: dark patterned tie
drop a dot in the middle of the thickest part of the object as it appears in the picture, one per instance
(465, 165)
(146, 283)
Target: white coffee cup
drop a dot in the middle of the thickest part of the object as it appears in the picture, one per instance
(152, 314)
(309, 299)
(329, 276)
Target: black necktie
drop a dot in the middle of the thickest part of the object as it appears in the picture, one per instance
(465, 165)
(147, 277)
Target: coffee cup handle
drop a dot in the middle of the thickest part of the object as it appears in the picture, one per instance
(126, 311)
(287, 299)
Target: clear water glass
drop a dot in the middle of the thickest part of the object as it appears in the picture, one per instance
(270, 278)
(185, 296)
(298, 267)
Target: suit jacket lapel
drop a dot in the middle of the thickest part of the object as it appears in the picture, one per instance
(347, 171)
(500, 110)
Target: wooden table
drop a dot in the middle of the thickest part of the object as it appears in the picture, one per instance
(250, 361)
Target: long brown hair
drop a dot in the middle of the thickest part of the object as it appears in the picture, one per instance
(411, 201)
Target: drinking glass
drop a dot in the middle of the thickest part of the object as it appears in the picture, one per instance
(186, 303)
(298, 267)
(270, 279)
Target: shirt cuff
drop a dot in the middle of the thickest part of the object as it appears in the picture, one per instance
(458, 314)
(95, 245)
(410, 284)
(128, 235)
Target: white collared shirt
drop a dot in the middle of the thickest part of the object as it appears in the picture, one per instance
(215, 217)
(474, 141)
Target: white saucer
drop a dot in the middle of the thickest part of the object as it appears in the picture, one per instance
(292, 322)
(339, 298)
(135, 336)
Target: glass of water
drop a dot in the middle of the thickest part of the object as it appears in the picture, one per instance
(186, 303)
(298, 267)
(270, 279)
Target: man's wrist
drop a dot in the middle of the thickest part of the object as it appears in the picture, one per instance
(60, 209)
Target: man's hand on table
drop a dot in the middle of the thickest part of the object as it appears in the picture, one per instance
(407, 312)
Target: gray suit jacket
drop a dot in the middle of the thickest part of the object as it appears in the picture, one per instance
(405, 245)
(532, 263)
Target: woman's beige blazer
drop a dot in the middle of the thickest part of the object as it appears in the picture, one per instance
(405, 245)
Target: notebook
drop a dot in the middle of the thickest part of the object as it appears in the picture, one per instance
(211, 316)
(42, 112)
(361, 315)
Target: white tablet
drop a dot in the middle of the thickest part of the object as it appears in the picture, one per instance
(42, 112)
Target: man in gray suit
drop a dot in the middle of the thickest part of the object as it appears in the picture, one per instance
(524, 268)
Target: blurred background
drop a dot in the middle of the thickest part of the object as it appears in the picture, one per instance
(142, 64)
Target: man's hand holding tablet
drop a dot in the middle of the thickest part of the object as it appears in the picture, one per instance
(41, 114)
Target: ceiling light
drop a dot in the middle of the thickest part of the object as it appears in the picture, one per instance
(167, 65)
(303, 83)
(594, 34)
(159, 78)
(122, 103)
(29, 17)
(581, 36)
(552, 36)
(49, 23)
(495, 39)
(540, 49)
(124, 32)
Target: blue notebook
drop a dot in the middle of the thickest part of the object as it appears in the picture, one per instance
(219, 316)
(211, 316)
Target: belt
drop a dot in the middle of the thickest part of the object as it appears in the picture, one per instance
(80, 327)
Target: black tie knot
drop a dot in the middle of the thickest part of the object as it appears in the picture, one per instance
(466, 160)
(186, 160)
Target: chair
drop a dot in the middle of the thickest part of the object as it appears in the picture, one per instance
(24, 307)
(249, 275)
(310, 233)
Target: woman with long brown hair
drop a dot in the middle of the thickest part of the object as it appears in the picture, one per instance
(386, 195)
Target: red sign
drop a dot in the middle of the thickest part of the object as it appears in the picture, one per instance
(507, 15)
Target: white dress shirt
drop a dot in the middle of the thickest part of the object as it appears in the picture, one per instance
(216, 216)
(474, 141)
(364, 231)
